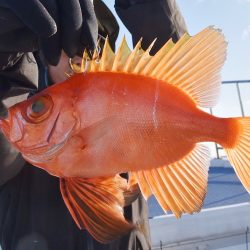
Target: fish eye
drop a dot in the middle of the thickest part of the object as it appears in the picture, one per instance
(38, 106)
(40, 109)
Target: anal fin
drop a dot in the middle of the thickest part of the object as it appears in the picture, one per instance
(97, 205)
(181, 186)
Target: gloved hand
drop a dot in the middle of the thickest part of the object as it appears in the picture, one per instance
(3, 110)
(127, 3)
(49, 25)
(137, 16)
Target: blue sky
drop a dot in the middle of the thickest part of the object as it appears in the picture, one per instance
(233, 17)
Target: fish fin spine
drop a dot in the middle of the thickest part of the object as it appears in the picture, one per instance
(238, 151)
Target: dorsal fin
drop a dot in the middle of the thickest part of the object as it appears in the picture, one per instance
(134, 57)
(193, 64)
(121, 57)
(144, 60)
(107, 59)
(195, 67)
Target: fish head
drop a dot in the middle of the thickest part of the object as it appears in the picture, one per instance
(40, 126)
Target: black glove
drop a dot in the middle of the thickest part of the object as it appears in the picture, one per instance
(166, 21)
(51, 25)
(3, 110)
(127, 3)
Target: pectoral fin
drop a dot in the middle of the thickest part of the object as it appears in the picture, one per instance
(97, 205)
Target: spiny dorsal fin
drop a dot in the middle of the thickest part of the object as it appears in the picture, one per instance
(97, 205)
(181, 186)
(107, 59)
(153, 65)
(134, 57)
(144, 60)
(95, 62)
(121, 57)
(193, 64)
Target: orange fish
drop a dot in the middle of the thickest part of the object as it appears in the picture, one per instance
(132, 112)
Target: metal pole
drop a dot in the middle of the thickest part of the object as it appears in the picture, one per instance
(247, 238)
(240, 100)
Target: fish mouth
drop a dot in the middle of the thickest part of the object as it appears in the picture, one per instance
(49, 154)
(43, 152)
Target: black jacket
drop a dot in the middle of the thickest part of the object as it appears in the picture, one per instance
(32, 212)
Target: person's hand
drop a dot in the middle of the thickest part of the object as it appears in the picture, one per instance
(49, 25)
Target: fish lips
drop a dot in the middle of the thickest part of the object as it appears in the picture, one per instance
(46, 154)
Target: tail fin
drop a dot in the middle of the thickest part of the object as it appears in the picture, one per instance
(239, 154)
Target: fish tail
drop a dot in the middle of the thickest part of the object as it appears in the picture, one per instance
(237, 148)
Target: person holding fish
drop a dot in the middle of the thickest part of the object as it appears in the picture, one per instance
(37, 38)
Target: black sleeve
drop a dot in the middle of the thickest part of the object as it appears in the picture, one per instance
(107, 24)
(18, 74)
(146, 19)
